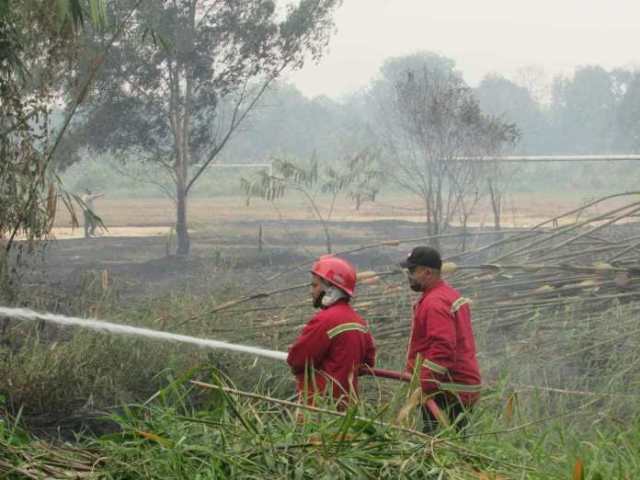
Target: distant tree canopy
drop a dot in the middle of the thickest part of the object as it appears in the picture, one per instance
(550, 119)
(627, 121)
(286, 123)
(179, 102)
(583, 111)
(502, 98)
(592, 111)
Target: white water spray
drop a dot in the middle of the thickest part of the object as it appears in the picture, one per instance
(26, 314)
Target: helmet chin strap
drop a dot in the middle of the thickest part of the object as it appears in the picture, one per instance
(332, 295)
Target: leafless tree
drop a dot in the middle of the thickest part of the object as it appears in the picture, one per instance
(438, 122)
(498, 137)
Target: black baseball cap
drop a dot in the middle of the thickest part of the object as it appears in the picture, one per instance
(423, 256)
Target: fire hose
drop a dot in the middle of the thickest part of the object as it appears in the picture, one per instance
(431, 405)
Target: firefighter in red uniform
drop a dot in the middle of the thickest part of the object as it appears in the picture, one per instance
(442, 338)
(336, 342)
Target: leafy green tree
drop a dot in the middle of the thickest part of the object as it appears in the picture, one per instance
(359, 176)
(178, 104)
(287, 175)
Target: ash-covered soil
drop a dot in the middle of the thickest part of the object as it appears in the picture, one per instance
(230, 255)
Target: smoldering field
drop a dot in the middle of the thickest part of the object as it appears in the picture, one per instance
(555, 314)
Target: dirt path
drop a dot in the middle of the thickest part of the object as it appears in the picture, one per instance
(522, 210)
(69, 233)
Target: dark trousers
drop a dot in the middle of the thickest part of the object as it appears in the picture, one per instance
(89, 225)
(451, 407)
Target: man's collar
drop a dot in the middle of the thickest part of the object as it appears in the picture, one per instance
(426, 291)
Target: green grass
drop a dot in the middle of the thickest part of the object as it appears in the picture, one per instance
(185, 431)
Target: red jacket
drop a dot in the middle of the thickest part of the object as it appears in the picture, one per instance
(441, 334)
(335, 342)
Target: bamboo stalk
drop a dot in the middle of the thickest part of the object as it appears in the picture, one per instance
(564, 231)
(310, 408)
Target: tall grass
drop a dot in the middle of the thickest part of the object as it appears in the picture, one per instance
(50, 370)
(184, 431)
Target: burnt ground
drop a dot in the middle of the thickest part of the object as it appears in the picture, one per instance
(226, 256)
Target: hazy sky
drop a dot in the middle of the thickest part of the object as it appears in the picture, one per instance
(482, 36)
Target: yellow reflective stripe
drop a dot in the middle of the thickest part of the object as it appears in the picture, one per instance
(460, 387)
(459, 303)
(434, 366)
(346, 327)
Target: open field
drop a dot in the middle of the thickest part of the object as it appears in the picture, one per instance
(521, 210)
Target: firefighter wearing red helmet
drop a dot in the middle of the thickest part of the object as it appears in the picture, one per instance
(336, 342)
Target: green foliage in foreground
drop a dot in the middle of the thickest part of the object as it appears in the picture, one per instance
(185, 431)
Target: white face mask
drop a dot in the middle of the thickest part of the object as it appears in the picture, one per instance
(332, 295)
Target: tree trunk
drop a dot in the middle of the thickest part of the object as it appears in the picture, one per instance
(316, 210)
(496, 206)
(328, 241)
(181, 120)
(465, 232)
(182, 233)
(432, 224)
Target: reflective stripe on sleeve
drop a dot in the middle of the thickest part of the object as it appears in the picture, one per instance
(459, 303)
(346, 327)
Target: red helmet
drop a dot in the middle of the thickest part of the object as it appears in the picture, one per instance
(337, 272)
